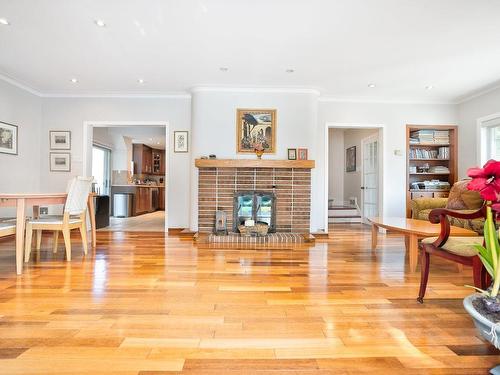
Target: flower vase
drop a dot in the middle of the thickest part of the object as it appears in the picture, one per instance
(259, 153)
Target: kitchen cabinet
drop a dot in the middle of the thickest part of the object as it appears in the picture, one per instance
(158, 162)
(142, 157)
(142, 200)
(161, 198)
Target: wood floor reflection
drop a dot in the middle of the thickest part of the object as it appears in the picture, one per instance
(145, 304)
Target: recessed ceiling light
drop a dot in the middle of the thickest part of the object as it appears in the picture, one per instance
(290, 70)
(157, 143)
(430, 87)
(140, 80)
(372, 85)
(4, 22)
(223, 68)
(74, 80)
(100, 23)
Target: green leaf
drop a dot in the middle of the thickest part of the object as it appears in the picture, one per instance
(488, 266)
(484, 253)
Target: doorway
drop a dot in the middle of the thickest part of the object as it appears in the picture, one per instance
(369, 177)
(138, 170)
(353, 166)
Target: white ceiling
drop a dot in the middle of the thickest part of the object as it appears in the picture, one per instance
(152, 136)
(335, 46)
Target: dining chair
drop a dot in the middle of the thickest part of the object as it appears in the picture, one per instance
(456, 249)
(74, 216)
(7, 228)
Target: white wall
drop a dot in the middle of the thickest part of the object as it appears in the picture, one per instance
(352, 180)
(214, 127)
(393, 117)
(468, 114)
(19, 173)
(70, 114)
(336, 161)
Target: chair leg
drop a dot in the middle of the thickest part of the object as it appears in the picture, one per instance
(55, 238)
(27, 244)
(424, 274)
(83, 233)
(67, 243)
(38, 239)
(477, 272)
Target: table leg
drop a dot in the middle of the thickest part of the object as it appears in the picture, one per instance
(374, 236)
(36, 215)
(20, 222)
(91, 207)
(413, 250)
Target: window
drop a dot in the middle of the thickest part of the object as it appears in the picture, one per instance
(490, 139)
(101, 169)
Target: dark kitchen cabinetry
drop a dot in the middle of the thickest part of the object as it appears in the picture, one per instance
(148, 160)
(142, 156)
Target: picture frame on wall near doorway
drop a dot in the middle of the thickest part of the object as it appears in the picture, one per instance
(8, 138)
(350, 159)
(60, 139)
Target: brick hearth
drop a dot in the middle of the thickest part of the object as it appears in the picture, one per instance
(216, 188)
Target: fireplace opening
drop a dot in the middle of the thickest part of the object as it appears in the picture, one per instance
(254, 205)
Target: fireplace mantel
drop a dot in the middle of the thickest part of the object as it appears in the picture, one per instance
(253, 163)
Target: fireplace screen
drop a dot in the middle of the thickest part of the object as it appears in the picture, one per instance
(259, 206)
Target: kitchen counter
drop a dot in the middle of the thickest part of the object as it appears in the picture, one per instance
(139, 185)
(146, 198)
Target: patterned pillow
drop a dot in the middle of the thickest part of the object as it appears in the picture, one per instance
(461, 198)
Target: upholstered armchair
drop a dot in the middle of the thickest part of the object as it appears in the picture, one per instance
(460, 200)
(456, 249)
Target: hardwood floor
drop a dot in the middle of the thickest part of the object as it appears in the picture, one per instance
(145, 304)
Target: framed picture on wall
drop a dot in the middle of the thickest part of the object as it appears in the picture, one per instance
(302, 153)
(292, 154)
(60, 161)
(181, 141)
(60, 140)
(8, 138)
(350, 159)
(255, 126)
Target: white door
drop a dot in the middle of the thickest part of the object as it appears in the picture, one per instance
(369, 177)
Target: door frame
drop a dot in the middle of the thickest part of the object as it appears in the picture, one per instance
(347, 125)
(88, 127)
(363, 142)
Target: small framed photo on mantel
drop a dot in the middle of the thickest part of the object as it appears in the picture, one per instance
(302, 153)
(292, 154)
(60, 140)
(60, 161)
(8, 138)
(181, 141)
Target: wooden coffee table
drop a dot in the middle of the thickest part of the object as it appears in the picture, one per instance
(413, 230)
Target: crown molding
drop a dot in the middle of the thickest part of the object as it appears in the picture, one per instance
(125, 95)
(282, 90)
(477, 94)
(382, 101)
(19, 84)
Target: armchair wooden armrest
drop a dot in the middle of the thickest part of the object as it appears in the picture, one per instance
(440, 215)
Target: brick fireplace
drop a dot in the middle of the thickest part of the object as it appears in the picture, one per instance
(289, 181)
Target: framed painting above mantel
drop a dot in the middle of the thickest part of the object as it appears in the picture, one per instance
(255, 126)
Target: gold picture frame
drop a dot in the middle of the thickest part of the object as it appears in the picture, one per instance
(255, 125)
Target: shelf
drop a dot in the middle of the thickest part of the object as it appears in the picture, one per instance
(429, 191)
(429, 145)
(429, 173)
(253, 163)
(432, 159)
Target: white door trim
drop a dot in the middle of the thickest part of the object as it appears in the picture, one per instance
(87, 144)
(369, 139)
(346, 125)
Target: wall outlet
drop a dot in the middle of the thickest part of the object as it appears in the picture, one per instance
(44, 210)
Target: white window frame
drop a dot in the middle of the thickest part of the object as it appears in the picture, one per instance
(486, 139)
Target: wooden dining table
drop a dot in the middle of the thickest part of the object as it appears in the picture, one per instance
(35, 200)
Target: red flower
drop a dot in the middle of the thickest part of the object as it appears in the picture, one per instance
(486, 180)
(496, 207)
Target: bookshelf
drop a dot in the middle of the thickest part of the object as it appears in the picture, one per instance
(431, 154)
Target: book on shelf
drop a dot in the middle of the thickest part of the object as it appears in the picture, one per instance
(430, 136)
(422, 153)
